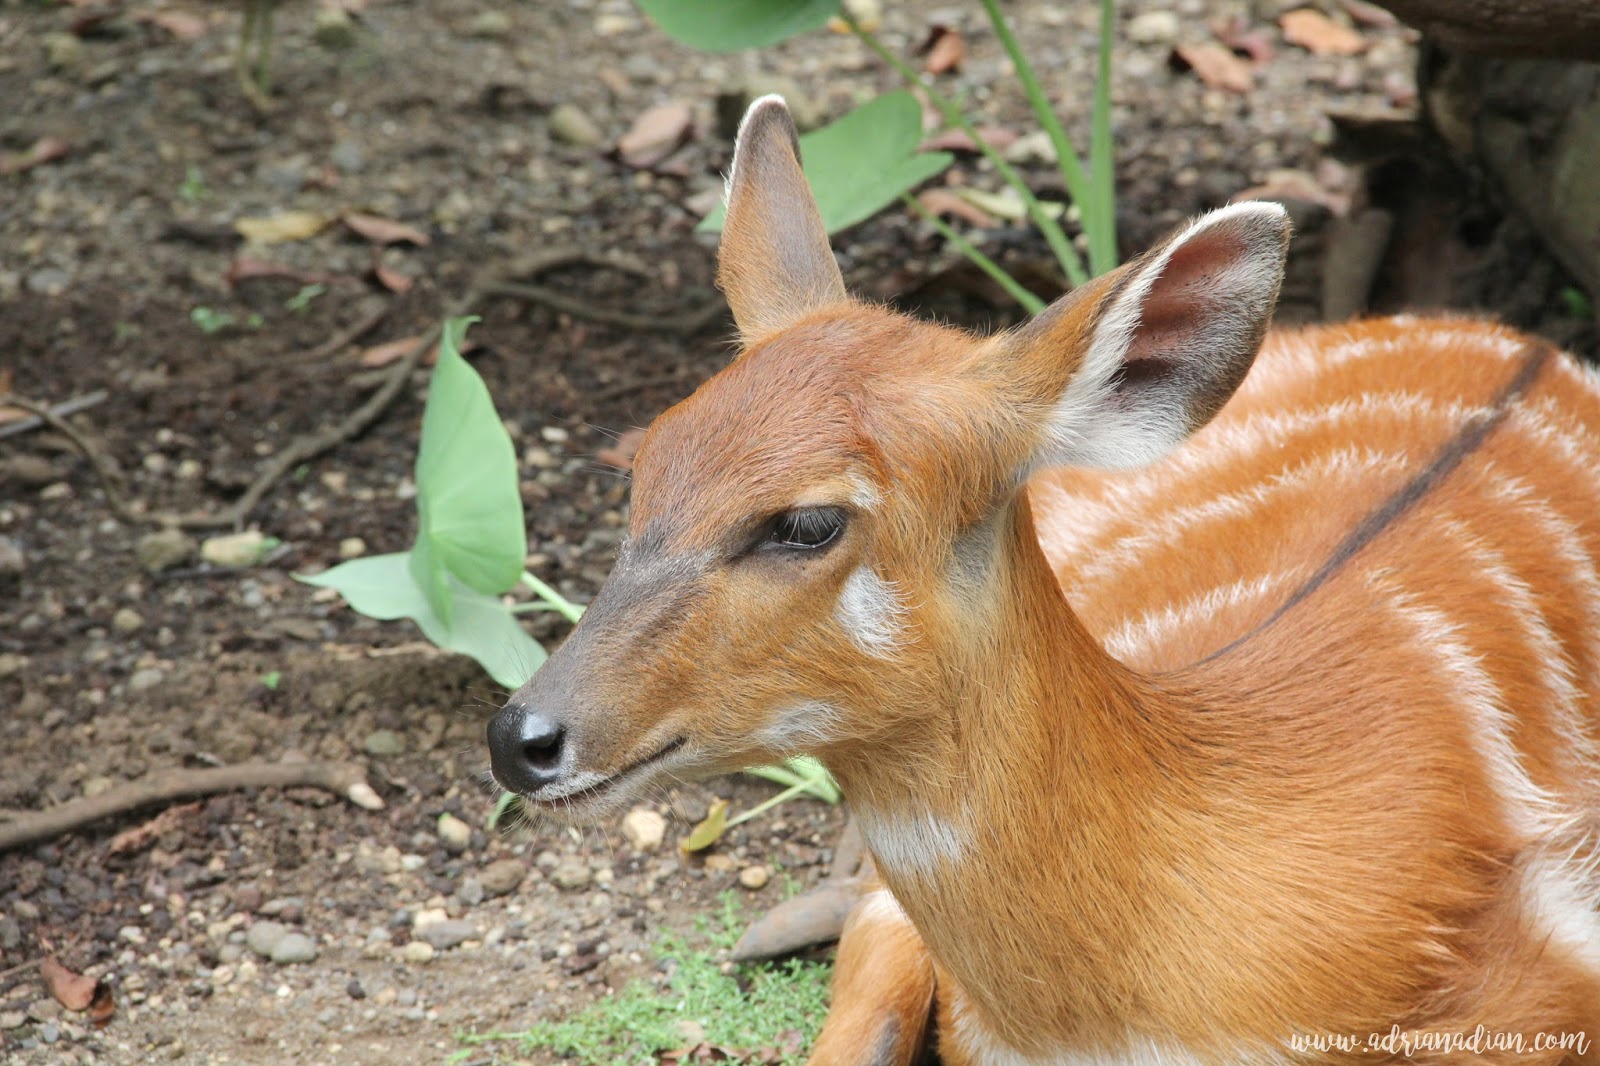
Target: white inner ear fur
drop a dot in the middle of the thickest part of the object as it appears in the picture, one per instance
(1088, 427)
(872, 612)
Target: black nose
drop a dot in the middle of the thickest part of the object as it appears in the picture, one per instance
(525, 748)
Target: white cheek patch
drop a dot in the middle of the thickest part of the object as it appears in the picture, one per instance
(872, 612)
(802, 728)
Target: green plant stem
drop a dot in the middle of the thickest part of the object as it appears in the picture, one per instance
(1102, 176)
(1031, 303)
(1054, 235)
(569, 610)
(1067, 159)
(767, 805)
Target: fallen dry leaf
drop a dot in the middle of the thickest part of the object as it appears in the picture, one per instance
(183, 25)
(247, 268)
(1215, 65)
(655, 135)
(44, 150)
(946, 204)
(282, 227)
(1240, 35)
(945, 50)
(74, 991)
(141, 836)
(708, 829)
(999, 137)
(382, 230)
(392, 280)
(1319, 34)
(380, 355)
(620, 454)
(1288, 184)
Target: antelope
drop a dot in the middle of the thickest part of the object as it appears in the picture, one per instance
(1196, 706)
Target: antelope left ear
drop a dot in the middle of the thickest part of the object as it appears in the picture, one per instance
(1162, 343)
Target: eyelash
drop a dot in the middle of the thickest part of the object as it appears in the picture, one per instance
(807, 529)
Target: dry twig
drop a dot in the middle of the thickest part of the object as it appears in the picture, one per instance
(104, 468)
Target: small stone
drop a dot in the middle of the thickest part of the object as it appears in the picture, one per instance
(470, 892)
(1030, 149)
(570, 124)
(411, 862)
(12, 663)
(502, 877)
(719, 864)
(293, 948)
(236, 549)
(49, 1033)
(334, 29)
(127, 620)
(264, 937)
(455, 833)
(428, 916)
(447, 934)
(163, 550)
(571, 873)
(348, 156)
(10, 934)
(354, 989)
(63, 51)
(417, 951)
(384, 742)
(147, 678)
(13, 1019)
(644, 828)
(491, 23)
(12, 561)
(407, 997)
(1154, 27)
(94, 786)
(131, 933)
(755, 878)
(352, 548)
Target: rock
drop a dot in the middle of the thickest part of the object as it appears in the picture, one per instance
(29, 471)
(1154, 27)
(417, 951)
(755, 877)
(13, 1019)
(491, 23)
(293, 948)
(94, 786)
(470, 892)
(719, 864)
(163, 550)
(147, 678)
(236, 549)
(127, 620)
(656, 134)
(12, 561)
(264, 937)
(384, 742)
(644, 828)
(455, 833)
(1030, 149)
(352, 548)
(63, 51)
(10, 934)
(447, 934)
(570, 124)
(11, 664)
(348, 156)
(334, 29)
(503, 877)
(571, 873)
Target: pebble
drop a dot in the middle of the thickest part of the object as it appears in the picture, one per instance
(571, 873)
(417, 951)
(295, 947)
(719, 864)
(470, 892)
(12, 664)
(644, 829)
(352, 548)
(502, 877)
(64, 51)
(334, 29)
(263, 937)
(127, 620)
(447, 934)
(13, 1019)
(1154, 27)
(490, 23)
(384, 742)
(163, 550)
(455, 833)
(147, 678)
(407, 997)
(354, 989)
(235, 549)
(12, 561)
(348, 157)
(570, 124)
(755, 877)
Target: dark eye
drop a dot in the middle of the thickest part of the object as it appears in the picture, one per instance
(812, 527)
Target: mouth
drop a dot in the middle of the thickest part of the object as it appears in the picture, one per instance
(593, 791)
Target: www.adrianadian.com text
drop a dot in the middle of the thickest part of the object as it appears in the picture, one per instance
(1408, 1042)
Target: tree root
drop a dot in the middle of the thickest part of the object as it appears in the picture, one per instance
(164, 786)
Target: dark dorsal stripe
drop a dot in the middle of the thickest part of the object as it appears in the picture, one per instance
(1467, 439)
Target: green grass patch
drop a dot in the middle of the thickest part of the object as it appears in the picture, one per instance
(753, 1007)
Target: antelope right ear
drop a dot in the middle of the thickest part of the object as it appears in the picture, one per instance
(774, 264)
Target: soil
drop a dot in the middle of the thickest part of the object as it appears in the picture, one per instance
(438, 116)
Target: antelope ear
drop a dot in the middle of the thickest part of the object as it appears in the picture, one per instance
(774, 264)
(1164, 341)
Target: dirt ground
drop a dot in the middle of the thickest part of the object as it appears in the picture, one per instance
(438, 116)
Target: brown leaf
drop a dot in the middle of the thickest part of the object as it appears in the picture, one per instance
(183, 25)
(44, 150)
(249, 268)
(383, 354)
(73, 991)
(284, 226)
(1290, 184)
(655, 135)
(620, 454)
(103, 1005)
(946, 51)
(141, 836)
(382, 230)
(1319, 34)
(1241, 36)
(999, 137)
(947, 204)
(1215, 65)
(392, 280)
